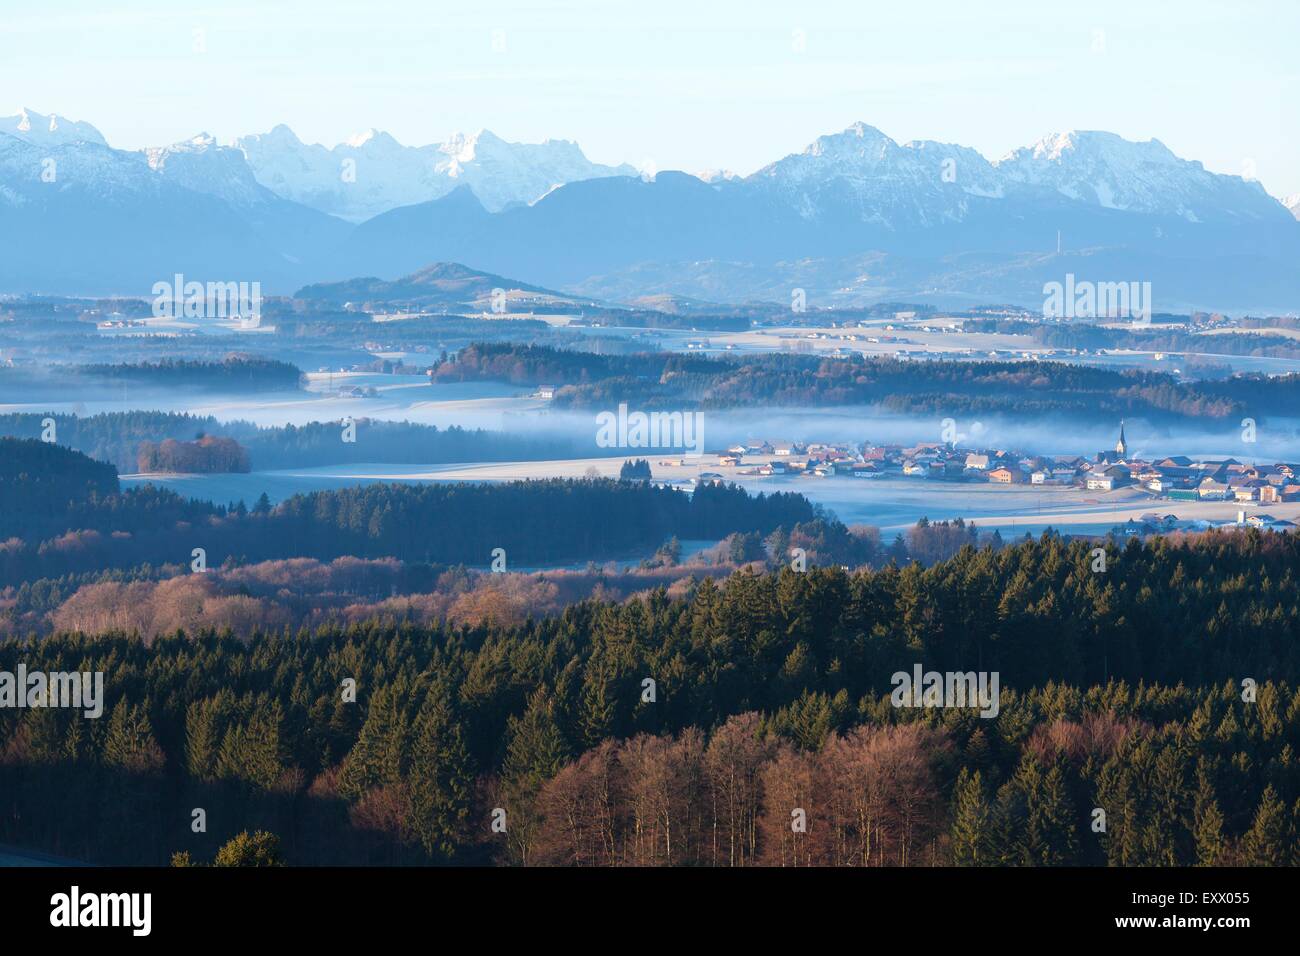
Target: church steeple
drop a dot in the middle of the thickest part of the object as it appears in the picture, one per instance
(1121, 446)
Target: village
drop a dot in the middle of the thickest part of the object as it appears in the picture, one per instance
(1171, 479)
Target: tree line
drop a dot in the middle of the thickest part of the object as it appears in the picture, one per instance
(75, 525)
(117, 437)
(672, 380)
(236, 373)
(1162, 691)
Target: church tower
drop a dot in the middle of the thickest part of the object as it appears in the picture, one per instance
(1121, 446)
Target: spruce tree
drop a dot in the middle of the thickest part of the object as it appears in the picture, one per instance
(441, 778)
(1268, 841)
(971, 825)
(1207, 822)
(378, 757)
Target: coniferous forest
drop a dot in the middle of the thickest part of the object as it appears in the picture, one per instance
(1162, 693)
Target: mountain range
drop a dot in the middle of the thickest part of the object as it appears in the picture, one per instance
(855, 217)
(373, 173)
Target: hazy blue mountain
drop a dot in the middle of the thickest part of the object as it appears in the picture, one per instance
(301, 233)
(856, 217)
(853, 218)
(78, 216)
(447, 284)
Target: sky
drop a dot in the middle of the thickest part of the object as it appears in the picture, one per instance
(719, 84)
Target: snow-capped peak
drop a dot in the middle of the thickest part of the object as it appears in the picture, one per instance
(717, 175)
(200, 164)
(1104, 169)
(1061, 147)
(372, 138)
(372, 172)
(863, 173)
(52, 130)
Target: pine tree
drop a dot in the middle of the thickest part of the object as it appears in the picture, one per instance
(596, 717)
(1207, 822)
(378, 757)
(971, 836)
(1268, 841)
(535, 753)
(204, 730)
(1051, 828)
(537, 749)
(259, 849)
(441, 778)
(130, 744)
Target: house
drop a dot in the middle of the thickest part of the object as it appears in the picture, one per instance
(1248, 490)
(1071, 463)
(546, 391)
(1158, 522)
(1051, 476)
(1163, 484)
(783, 449)
(730, 461)
(925, 449)
(1211, 490)
(1265, 521)
(1003, 476)
(977, 462)
(1215, 465)
(1107, 479)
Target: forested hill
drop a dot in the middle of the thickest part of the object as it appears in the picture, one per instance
(41, 478)
(534, 522)
(236, 373)
(666, 380)
(1124, 690)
